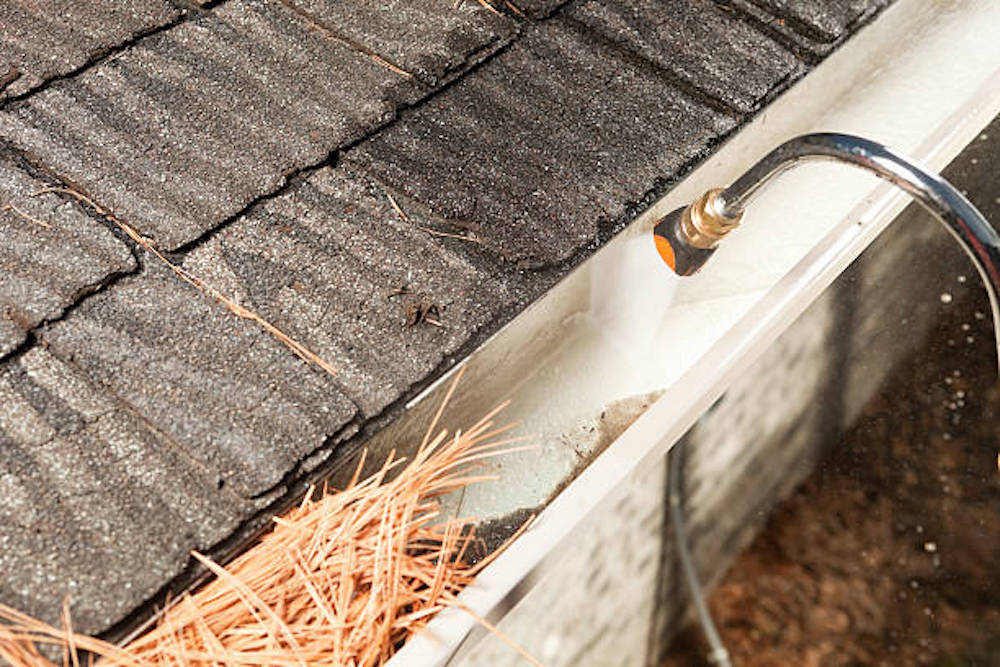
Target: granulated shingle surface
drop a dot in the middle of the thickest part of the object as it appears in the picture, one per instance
(96, 504)
(40, 39)
(333, 264)
(188, 126)
(826, 20)
(707, 47)
(537, 179)
(429, 39)
(238, 401)
(50, 254)
(258, 140)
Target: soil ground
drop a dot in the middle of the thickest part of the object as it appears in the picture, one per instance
(889, 554)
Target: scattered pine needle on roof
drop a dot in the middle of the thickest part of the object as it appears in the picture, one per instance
(300, 350)
(345, 578)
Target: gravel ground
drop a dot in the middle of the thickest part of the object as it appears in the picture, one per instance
(889, 554)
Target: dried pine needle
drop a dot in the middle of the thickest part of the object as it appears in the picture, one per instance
(240, 311)
(433, 232)
(11, 206)
(343, 578)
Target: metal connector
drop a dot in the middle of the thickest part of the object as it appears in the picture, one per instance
(704, 223)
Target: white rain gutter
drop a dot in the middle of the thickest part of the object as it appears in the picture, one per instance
(923, 79)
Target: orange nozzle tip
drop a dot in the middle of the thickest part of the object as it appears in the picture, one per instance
(666, 251)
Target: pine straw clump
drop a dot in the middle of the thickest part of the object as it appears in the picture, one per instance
(345, 578)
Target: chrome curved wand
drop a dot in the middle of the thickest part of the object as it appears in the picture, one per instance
(687, 237)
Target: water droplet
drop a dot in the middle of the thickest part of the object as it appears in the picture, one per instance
(946, 436)
(957, 373)
(920, 529)
(945, 297)
(961, 279)
(965, 327)
(970, 339)
(930, 547)
(959, 394)
(979, 315)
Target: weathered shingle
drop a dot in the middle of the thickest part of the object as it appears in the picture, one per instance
(430, 39)
(708, 48)
(40, 39)
(50, 252)
(95, 504)
(543, 143)
(333, 264)
(191, 124)
(230, 394)
(825, 20)
(812, 28)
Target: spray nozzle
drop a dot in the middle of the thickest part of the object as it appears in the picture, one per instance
(687, 237)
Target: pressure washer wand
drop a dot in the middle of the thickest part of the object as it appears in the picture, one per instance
(687, 237)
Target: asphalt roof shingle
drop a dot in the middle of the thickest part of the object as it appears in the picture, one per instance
(332, 264)
(825, 20)
(708, 48)
(536, 180)
(51, 253)
(42, 39)
(538, 9)
(95, 503)
(188, 126)
(431, 39)
(237, 400)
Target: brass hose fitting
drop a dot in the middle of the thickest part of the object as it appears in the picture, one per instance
(687, 237)
(702, 223)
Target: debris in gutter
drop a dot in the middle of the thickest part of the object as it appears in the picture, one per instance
(344, 578)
